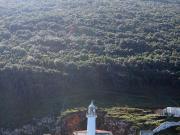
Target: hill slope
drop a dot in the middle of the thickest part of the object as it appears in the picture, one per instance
(124, 52)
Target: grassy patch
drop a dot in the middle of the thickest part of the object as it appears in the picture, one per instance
(139, 117)
(72, 110)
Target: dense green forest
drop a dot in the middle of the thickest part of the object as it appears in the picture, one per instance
(60, 53)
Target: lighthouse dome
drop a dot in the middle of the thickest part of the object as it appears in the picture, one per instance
(92, 105)
(92, 109)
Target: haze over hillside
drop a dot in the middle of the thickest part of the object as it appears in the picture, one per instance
(58, 53)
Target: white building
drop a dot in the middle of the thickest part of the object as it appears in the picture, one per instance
(91, 123)
(171, 111)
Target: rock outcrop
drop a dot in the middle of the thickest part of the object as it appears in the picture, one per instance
(77, 121)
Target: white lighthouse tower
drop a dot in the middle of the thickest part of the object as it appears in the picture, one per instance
(91, 119)
(91, 123)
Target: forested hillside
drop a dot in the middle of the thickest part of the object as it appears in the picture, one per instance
(124, 52)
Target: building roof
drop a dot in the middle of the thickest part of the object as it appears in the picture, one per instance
(173, 107)
(98, 132)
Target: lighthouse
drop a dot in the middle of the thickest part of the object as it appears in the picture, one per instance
(91, 119)
(91, 123)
